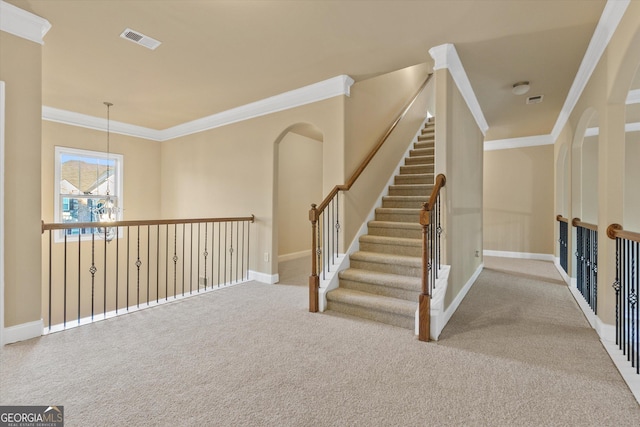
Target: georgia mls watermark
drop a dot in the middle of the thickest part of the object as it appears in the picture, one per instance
(31, 416)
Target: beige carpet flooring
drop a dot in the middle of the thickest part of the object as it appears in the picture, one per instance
(518, 352)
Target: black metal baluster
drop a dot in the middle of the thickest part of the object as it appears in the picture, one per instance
(92, 270)
(128, 262)
(616, 287)
(117, 265)
(205, 253)
(148, 261)
(79, 272)
(64, 318)
(50, 273)
(157, 263)
(198, 273)
(594, 269)
(138, 264)
(104, 287)
(175, 260)
(337, 227)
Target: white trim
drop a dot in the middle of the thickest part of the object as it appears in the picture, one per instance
(611, 16)
(607, 334)
(97, 123)
(446, 56)
(336, 86)
(23, 24)
(526, 141)
(294, 255)
(23, 332)
(463, 293)
(2, 169)
(592, 132)
(269, 279)
(629, 127)
(437, 320)
(520, 255)
(633, 97)
(565, 276)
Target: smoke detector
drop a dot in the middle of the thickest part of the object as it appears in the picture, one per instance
(139, 38)
(537, 99)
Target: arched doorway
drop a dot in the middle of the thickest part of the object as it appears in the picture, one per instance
(297, 184)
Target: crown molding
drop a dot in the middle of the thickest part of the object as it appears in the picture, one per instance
(336, 86)
(96, 123)
(526, 141)
(340, 85)
(611, 16)
(633, 97)
(446, 56)
(23, 24)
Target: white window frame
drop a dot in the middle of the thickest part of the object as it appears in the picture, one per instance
(118, 172)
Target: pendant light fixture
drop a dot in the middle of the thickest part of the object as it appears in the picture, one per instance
(108, 209)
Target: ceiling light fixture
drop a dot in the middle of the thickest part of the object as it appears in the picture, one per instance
(520, 88)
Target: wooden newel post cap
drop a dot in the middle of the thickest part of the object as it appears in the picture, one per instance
(575, 222)
(313, 213)
(611, 230)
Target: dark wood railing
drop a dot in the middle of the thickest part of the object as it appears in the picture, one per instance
(627, 287)
(430, 220)
(587, 261)
(325, 226)
(98, 270)
(563, 239)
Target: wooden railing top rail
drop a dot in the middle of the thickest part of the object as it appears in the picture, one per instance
(562, 219)
(428, 206)
(616, 230)
(346, 187)
(72, 225)
(577, 223)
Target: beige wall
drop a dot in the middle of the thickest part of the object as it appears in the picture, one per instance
(299, 185)
(141, 160)
(631, 219)
(518, 200)
(605, 95)
(459, 155)
(373, 106)
(21, 70)
(230, 171)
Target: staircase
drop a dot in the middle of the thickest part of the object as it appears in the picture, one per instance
(383, 282)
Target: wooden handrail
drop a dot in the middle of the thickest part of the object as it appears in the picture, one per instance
(346, 187)
(424, 300)
(577, 223)
(562, 219)
(72, 225)
(440, 182)
(616, 231)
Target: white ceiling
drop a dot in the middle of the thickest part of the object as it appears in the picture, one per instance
(216, 55)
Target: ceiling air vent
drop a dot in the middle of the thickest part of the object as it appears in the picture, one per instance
(139, 38)
(537, 99)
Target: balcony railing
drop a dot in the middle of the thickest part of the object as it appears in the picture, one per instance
(587, 261)
(563, 240)
(147, 263)
(627, 287)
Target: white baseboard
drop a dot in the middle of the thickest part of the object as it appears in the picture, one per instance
(521, 255)
(437, 318)
(294, 255)
(565, 276)
(22, 332)
(458, 299)
(263, 277)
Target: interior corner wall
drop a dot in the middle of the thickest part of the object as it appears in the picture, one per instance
(372, 107)
(518, 202)
(460, 142)
(21, 70)
(230, 171)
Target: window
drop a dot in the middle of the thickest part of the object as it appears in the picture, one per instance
(83, 180)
